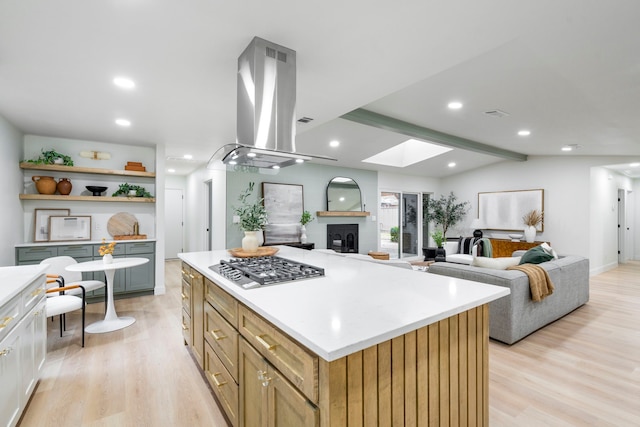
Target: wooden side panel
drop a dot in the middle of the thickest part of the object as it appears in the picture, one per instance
(435, 376)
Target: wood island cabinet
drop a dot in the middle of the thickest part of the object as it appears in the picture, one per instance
(435, 375)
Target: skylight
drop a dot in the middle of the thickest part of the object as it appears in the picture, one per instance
(407, 153)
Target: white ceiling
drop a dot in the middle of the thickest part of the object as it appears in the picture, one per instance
(567, 70)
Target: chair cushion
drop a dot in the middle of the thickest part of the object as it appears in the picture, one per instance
(88, 285)
(62, 304)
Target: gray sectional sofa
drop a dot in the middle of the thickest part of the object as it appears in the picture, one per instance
(515, 316)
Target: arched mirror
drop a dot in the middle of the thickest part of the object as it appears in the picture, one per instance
(343, 194)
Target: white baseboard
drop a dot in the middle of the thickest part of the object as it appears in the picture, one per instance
(603, 268)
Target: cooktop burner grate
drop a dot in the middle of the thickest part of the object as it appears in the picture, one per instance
(266, 270)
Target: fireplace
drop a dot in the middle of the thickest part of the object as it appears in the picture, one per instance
(342, 237)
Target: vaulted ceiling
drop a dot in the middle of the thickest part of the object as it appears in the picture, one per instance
(567, 71)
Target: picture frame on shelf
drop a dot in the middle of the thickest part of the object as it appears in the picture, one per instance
(69, 228)
(41, 222)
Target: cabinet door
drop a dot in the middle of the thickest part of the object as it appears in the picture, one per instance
(141, 277)
(253, 395)
(197, 315)
(286, 405)
(35, 254)
(40, 337)
(11, 383)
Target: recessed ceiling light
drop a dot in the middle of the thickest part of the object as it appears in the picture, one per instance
(233, 162)
(123, 122)
(634, 165)
(452, 165)
(171, 170)
(251, 154)
(124, 82)
(455, 105)
(524, 132)
(275, 167)
(299, 160)
(567, 148)
(188, 156)
(334, 143)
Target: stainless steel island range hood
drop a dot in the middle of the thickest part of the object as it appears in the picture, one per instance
(266, 122)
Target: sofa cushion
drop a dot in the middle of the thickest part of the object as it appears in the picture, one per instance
(496, 263)
(535, 255)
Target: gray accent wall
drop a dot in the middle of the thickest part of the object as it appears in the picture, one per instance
(314, 179)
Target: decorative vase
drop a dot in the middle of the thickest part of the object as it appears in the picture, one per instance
(530, 234)
(260, 236)
(441, 254)
(107, 258)
(250, 241)
(45, 184)
(303, 234)
(64, 186)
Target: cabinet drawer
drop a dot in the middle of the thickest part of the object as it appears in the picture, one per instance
(33, 293)
(226, 305)
(76, 251)
(223, 339)
(9, 315)
(186, 328)
(186, 297)
(186, 273)
(296, 363)
(139, 248)
(36, 253)
(117, 250)
(224, 387)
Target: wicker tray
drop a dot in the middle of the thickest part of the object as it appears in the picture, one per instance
(262, 251)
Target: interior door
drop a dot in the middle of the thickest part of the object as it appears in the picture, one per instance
(173, 222)
(389, 223)
(409, 229)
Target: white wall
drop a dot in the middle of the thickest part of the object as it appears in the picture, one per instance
(12, 222)
(569, 224)
(195, 199)
(635, 225)
(407, 183)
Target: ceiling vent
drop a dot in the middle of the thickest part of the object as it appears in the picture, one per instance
(305, 120)
(497, 113)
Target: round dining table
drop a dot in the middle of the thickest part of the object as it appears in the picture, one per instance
(111, 320)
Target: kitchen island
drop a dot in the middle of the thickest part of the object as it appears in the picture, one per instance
(367, 344)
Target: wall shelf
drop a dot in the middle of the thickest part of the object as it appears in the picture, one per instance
(342, 213)
(76, 169)
(87, 198)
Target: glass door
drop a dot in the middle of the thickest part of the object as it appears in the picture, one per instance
(389, 223)
(409, 228)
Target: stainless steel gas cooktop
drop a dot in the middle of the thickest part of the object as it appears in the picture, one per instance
(266, 270)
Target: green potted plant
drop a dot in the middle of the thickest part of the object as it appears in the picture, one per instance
(305, 219)
(51, 157)
(131, 191)
(253, 218)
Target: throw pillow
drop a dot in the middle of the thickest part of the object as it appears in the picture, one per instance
(495, 263)
(465, 244)
(548, 249)
(535, 255)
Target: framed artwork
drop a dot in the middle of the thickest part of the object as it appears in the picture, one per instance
(66, 228)
(41, 222)
(503, 210)
(284, 206)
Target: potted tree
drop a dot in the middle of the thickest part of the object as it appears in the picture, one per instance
(253, 218)
(438, 238)
(445, 212)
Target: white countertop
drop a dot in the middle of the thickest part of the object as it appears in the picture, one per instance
(14, 279)
(81, 242)
(356, 304)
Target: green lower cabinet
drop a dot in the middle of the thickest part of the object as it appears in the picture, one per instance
(127, 282)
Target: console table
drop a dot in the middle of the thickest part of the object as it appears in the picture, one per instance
(505, 247)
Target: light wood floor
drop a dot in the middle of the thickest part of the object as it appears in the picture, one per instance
(581, 370)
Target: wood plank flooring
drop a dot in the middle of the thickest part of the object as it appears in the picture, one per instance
(581, 370)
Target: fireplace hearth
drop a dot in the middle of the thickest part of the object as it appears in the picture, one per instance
(342, 237)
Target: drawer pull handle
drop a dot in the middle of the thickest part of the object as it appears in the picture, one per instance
(184, 327)
(216, 336)
(264, 343)
(262, 377)
(37, 292)
(6, 321)
(184, 296)
(6, 351)
(215, 380)
(192, 276)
